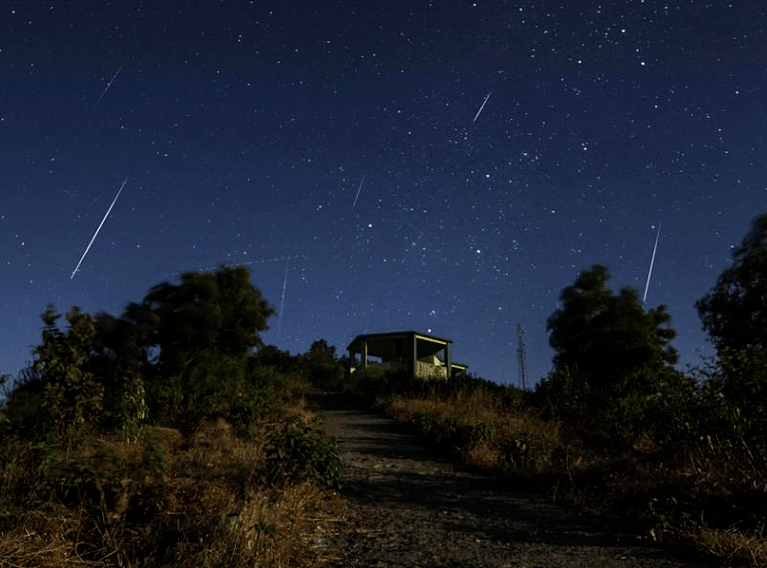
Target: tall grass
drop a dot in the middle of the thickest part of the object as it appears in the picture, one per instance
(702, 490)
(198, 497)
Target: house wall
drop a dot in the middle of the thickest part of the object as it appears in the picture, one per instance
(426, 370)
(399, 351)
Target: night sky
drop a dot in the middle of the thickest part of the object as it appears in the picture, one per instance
(337, 149)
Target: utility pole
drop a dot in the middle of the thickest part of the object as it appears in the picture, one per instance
(522, 356)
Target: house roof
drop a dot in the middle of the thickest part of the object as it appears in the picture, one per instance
(391, 335)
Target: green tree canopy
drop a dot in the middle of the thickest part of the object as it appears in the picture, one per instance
(73, 398)
(324, 367)
(321, 352)
(182, 353)
(198, 335)
(208, 312)
(608, 340)
(734, 312)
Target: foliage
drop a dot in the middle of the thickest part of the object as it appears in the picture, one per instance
(183, 353)
(271, 356)
(204, 329)
(734, 312)
(613, 378)
(562, 393)
(72, 397)
(300, 451)
(607, 338)
(194, 501)
(3, 380)
(218, 310)
(517, 453)
(452, 432)
(258, 396)
(323, 367)
(120, 363)
(87, 472)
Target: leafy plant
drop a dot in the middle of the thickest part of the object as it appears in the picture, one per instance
(300, 451)
(517, 453)
(73, 397)
(734, 312)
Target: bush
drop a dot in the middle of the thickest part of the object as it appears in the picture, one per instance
(72, 397)
(300, 451)
(517, 453)
(247, 410)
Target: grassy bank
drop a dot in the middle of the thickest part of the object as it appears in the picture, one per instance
(208, 495)
(706, 493)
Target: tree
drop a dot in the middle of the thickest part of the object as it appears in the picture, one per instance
(204, 329)
(323, 367)
(321, 352)
(734, 312)
(72, 397)
(120, 363)
(607, 343)
(218, 310)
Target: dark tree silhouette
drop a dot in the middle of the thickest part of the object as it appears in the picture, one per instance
(734, 312)
(321, 352)
(202, 331)
(608, 341)
(325, 370)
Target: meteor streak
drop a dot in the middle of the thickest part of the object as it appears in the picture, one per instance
(104, 92)
(96, 234)
(652, 262)
(476, 116)
(282, 300)
(358, 193)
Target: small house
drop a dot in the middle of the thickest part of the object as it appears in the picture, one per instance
(418, 354)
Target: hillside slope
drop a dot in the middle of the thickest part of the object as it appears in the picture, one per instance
(412, 507)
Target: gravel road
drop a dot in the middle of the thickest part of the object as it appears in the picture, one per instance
(413, 508)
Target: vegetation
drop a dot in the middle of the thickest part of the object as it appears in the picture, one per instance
(172, 436)
(734, 312)
(613, 362)
(616, 429)
(168, 436)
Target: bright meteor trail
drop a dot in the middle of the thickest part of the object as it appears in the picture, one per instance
(652, 261)
(282, 299)
(358, 193)
(476, 116)
(93, 238)
(104, 92)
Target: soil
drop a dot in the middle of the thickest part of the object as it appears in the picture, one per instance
(412, 507)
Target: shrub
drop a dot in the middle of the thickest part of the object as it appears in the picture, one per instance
(300, 451)
(72, 397)
(248, 409)
(517, 453)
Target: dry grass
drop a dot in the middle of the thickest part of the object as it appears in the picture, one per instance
(193, 501)
(731, 546)
(479, 406)
(662, 492)
(483, 456)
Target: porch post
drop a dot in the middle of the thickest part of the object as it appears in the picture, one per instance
(448, 361)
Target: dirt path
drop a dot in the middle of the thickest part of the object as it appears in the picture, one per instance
(415, 509)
